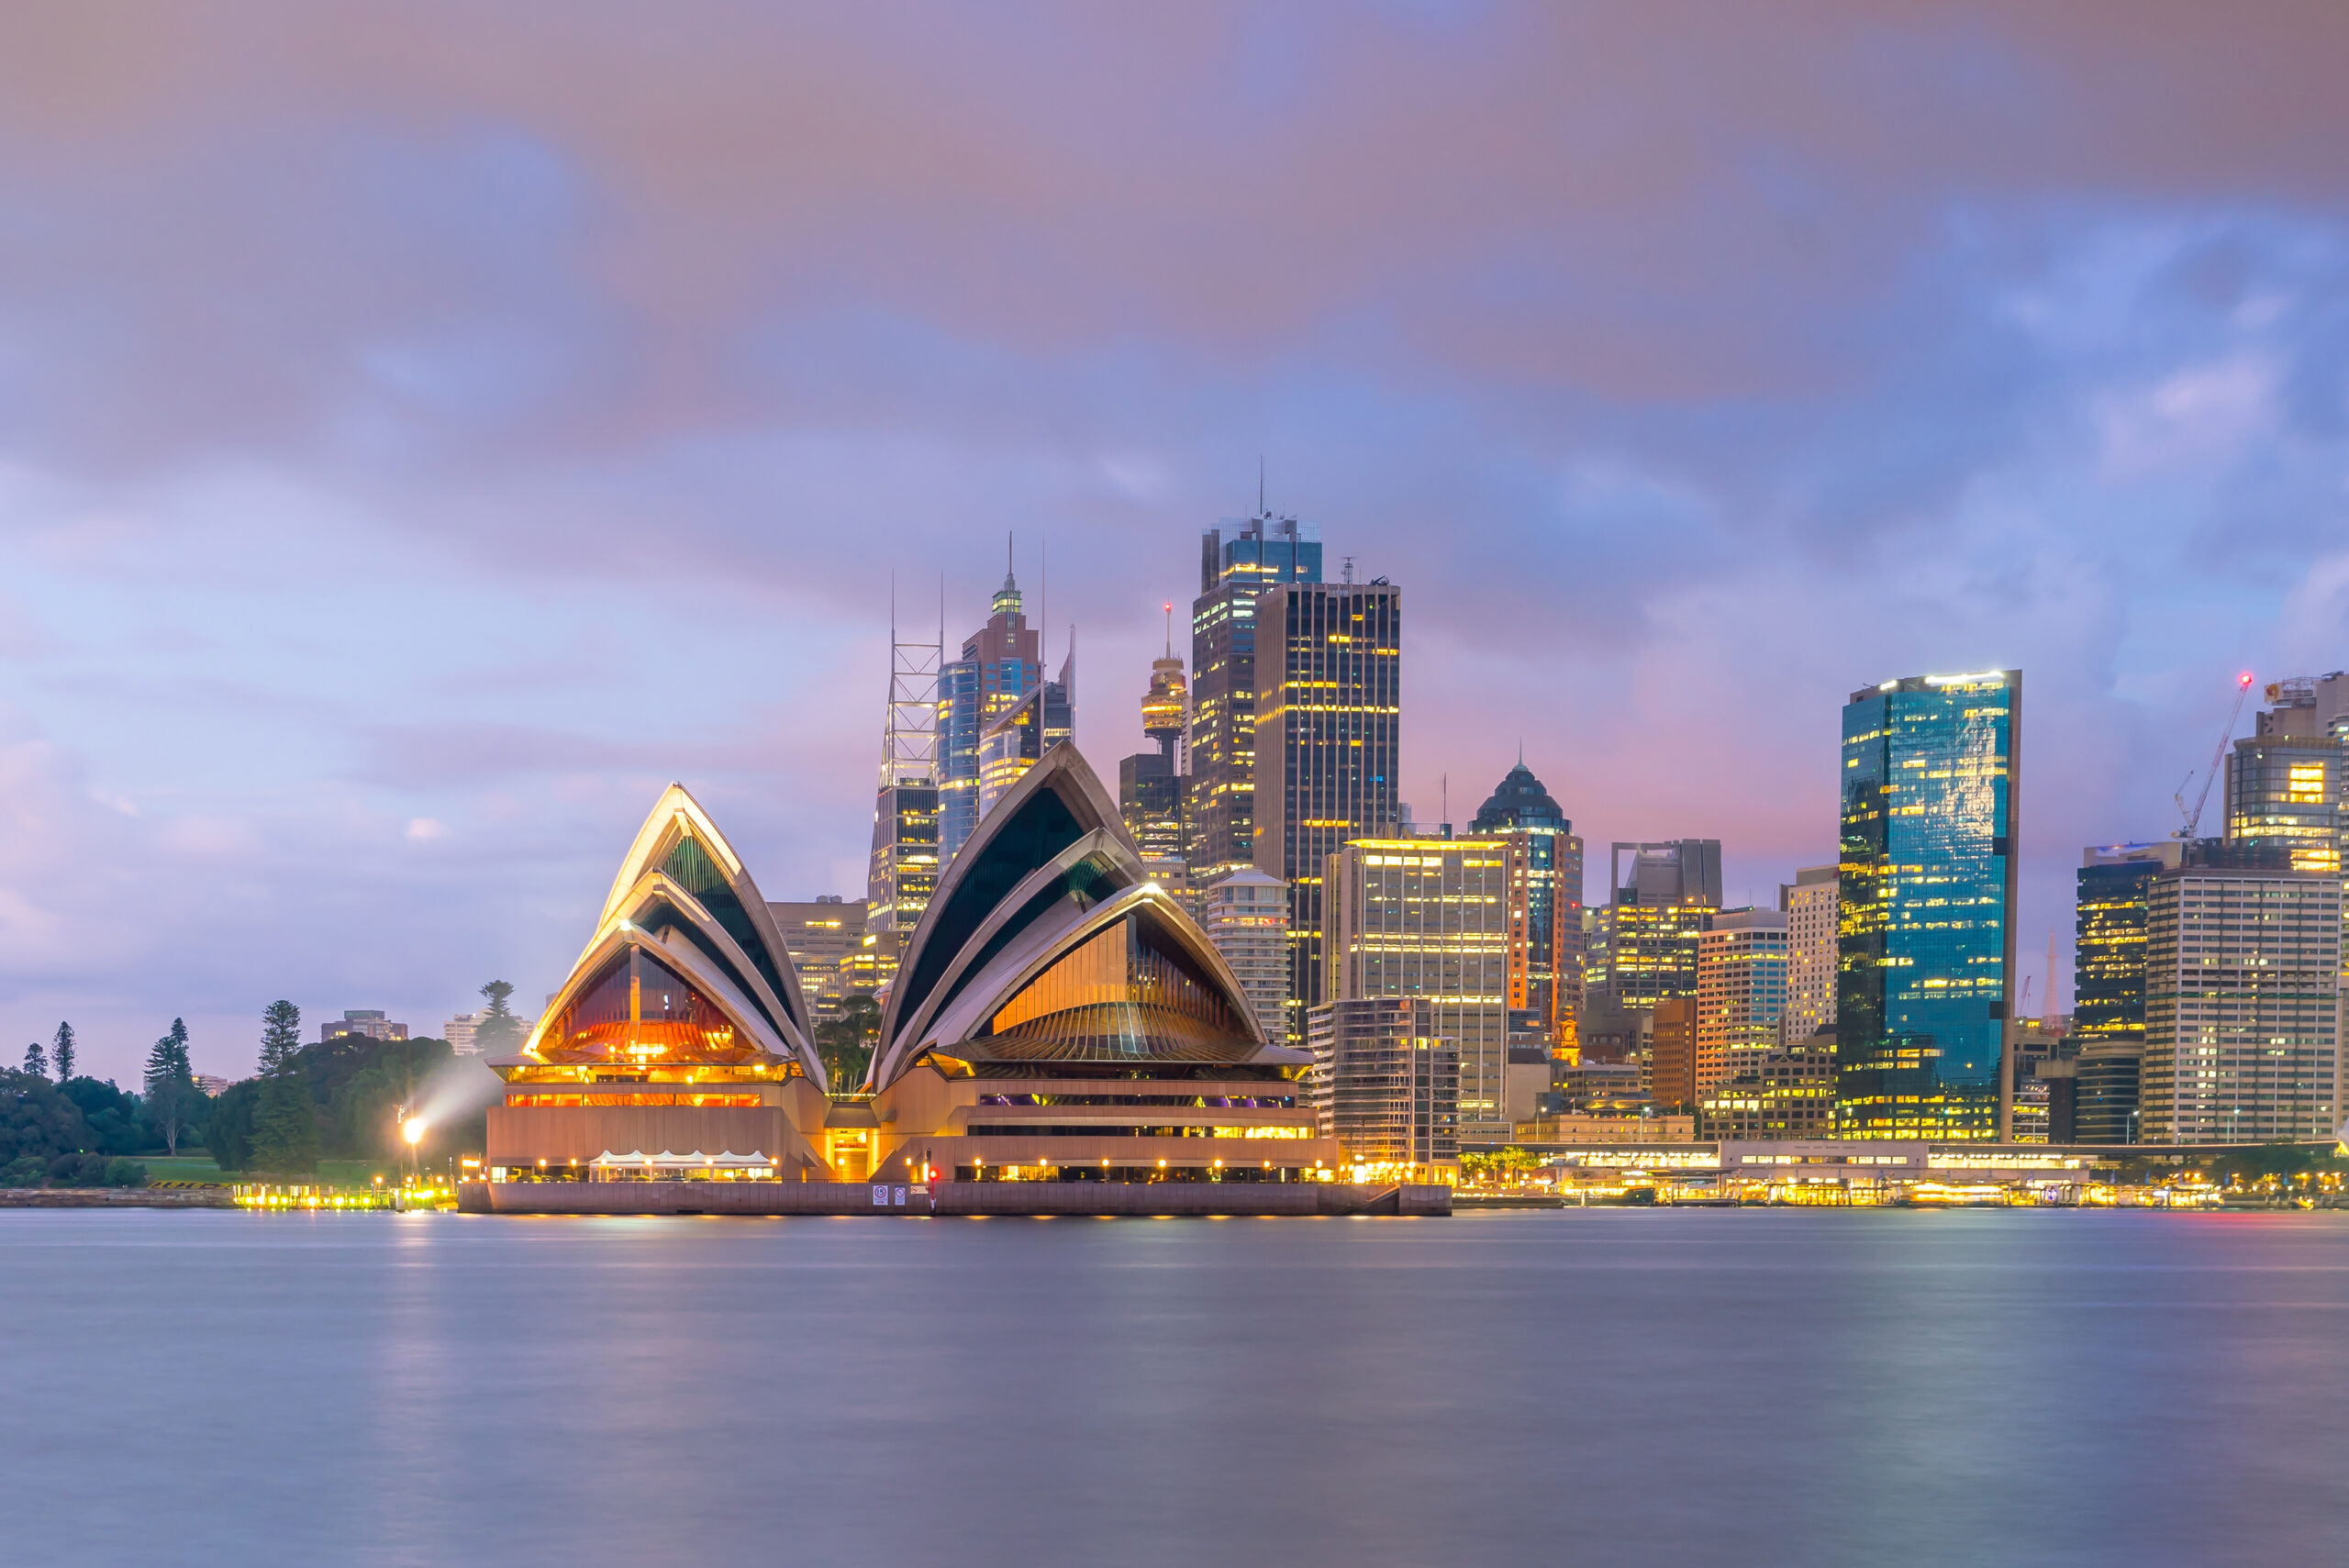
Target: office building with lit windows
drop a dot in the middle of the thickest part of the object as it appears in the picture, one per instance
(2242, 982)
(1545, 919)
(1259, 552)
(1787, 1093)
(1386, 1085)
(1808, 903)
(1741, 992)
(1329, 690)
(2113, 896)
(1001, 663)
(1245, 915)
(1642, 944)
(1017, 738)
(1427, 920)
(825, 938)
(1927, 891)
(2288, 789)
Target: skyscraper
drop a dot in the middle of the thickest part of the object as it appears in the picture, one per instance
(1809, 905)
(1927, 887)
(2114, 884)
(1263, 551)
(2285, 781)
(1017, 738)
(1246, 916)
(1001, 662)
(1429, 918)
(1545, 949)
(2110, 966)
(1741, 992)
(1151, 784)
(1642, 944)
(1329, 690)
(2242, 995)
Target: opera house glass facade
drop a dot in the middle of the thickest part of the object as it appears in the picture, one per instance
(1056, 1016)
(1926, 939)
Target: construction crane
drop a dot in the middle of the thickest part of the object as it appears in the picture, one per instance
(2218, 761)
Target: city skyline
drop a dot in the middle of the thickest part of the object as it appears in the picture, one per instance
(311, 689)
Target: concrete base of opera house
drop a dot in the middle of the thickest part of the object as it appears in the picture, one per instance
(1154, 1199)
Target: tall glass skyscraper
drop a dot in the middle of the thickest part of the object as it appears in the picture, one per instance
(1927, 931)
(1328, 693)
(1001, 662)
(1545, 952)
(1259, 552)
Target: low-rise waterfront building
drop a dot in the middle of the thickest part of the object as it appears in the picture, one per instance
(1385, 1085)
(1785, 1095)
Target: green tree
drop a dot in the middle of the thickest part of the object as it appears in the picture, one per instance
(285, 1128)
(229, 1125)
(173, 1102)
(61, 1052)
(280, 1034)
(38, 1123)
(846, 1043)
(35, 1061)
(500, 1033)
(113, 1119)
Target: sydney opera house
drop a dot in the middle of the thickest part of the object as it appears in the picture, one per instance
(1056, 1016)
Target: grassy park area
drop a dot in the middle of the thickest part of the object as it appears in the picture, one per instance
(331, 1172)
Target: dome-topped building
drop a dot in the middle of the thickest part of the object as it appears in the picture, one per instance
(1545, 967)
(1519, 801)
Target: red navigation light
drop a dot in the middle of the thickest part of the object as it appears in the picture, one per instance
(2244, 679)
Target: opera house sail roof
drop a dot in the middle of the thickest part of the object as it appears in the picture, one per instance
(1047, 941)
(1047, 961)
(686, 975)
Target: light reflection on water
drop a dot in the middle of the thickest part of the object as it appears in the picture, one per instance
(1588, 1385)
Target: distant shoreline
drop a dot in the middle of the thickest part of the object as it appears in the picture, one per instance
(116, 1197)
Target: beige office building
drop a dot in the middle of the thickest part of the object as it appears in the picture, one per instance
(1429, 919)
(2242, 980)
(1809, 904)
(1741, 991)
(1245, 915)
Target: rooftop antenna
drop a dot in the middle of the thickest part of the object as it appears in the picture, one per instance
(1043, 606)
(1260, 486)
(1446, 802)
(1169, 608)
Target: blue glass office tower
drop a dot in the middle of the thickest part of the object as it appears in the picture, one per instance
(1927, 933)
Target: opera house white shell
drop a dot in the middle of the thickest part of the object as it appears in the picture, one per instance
(1056, 1016)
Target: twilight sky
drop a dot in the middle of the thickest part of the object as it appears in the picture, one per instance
(425, 430)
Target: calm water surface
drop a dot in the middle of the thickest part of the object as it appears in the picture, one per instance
(1596, 1386)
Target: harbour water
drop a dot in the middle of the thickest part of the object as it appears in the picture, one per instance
(1876, 1387)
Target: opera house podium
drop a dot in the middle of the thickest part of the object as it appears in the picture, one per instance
(1060, 1037)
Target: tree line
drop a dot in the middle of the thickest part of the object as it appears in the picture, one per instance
(331, 1099)
(78, 1131)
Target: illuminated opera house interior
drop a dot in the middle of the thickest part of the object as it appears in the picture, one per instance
(1056, 1015)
